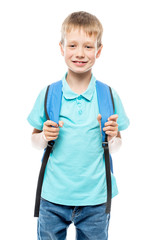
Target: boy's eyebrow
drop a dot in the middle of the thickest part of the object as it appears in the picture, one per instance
(87, 42)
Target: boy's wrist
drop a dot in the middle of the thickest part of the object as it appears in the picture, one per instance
(112, 139)
(114, 144)
(39, 141)
(44, 137)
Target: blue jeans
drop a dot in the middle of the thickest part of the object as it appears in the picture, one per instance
(91, 222)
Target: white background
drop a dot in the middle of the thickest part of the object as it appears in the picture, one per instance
(30, 59)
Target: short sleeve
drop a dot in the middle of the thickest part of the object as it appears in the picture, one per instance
(123, 120)
(37, 115)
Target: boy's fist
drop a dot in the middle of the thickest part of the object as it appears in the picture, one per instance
(51, 129)
(111, 127)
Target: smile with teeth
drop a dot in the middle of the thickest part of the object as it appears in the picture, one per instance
(79, 62)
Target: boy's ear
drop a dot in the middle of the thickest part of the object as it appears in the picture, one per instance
(99, 51)
(61, 48)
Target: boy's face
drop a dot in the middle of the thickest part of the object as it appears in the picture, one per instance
(80, 50)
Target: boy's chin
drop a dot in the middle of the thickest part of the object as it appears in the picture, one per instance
(79, 71)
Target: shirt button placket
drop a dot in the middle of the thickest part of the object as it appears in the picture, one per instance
(79, 99)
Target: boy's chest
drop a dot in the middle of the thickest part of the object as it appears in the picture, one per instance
(79, 111)
(81, 130)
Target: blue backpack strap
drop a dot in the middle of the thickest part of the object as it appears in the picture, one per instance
(105, 103)
(106, 109)
(52, 106)
(53, 101)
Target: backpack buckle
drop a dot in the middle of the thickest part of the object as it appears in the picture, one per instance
(105, 145)
(50, 144)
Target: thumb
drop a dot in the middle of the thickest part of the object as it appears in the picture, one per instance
(61, 123)
(99, 119)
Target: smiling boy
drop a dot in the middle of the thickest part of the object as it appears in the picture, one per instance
(74, 185)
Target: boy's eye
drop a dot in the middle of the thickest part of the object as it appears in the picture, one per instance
(88, 47)
(72, 45)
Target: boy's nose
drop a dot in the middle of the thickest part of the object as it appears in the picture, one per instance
(80, 53)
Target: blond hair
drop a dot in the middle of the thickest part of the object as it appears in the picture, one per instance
(88, 22)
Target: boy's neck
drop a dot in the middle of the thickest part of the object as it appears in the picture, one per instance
(78, 82)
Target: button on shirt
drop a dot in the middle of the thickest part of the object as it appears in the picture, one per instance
(75, 172)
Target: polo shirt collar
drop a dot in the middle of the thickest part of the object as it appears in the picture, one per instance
(69, 94)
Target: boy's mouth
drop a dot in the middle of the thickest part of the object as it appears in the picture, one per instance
(79, 63)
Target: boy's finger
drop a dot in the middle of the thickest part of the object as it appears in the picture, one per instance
(61, 123)
(51, 134)
(51, 129)
(113, 117)
(51, 123)
(99, 119)
(111, 123)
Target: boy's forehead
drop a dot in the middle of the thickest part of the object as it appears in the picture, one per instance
(80, 34)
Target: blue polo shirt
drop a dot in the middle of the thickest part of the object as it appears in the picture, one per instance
(75, 172)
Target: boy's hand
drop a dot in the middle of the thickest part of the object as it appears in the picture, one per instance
(51, 129)
(111, 127)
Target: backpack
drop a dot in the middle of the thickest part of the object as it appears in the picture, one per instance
(52, 106)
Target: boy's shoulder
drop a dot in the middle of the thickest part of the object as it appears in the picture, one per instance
(42, 92)
(59, 83)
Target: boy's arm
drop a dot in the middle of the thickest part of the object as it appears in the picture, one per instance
(115, 143)
(38, 139)
(36, 131)
(50, 132)
(114, 136)
(119, 135)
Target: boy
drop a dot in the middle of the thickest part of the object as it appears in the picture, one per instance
(74, 185)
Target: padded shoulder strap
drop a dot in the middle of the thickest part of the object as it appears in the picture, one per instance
(53, 101)
(105, 103)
